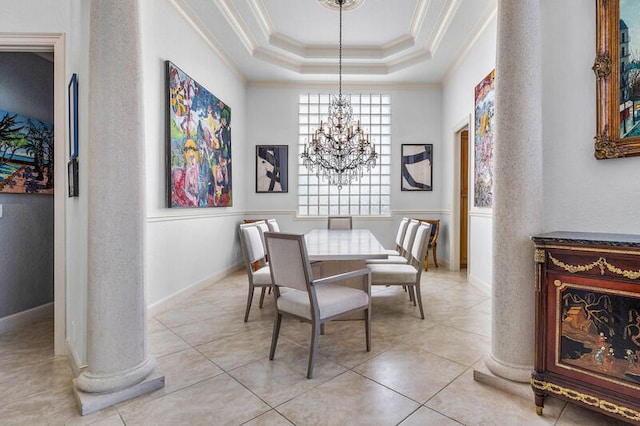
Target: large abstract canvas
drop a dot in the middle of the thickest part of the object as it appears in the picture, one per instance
(199, 144)
(26, 155)
(483, 142)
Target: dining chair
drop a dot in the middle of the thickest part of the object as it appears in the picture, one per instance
(405, 253)
(431, 245)
(273, 225)
(402, 229)
(255, 262)
(308, 299)
(405, 275)
(339, 222)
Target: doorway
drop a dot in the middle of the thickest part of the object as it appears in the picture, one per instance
(52, 43)
(464, 197)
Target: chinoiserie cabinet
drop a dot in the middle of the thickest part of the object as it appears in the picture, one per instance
(587, 337)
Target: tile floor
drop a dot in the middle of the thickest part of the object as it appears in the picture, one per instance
(419, 372)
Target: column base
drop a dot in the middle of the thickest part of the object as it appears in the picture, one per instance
(482, 374)
(513, 372)
(90, 402)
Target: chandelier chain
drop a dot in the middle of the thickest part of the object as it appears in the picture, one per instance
(340, 152)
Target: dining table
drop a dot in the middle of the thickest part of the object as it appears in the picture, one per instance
(335, 251)
(343, 245)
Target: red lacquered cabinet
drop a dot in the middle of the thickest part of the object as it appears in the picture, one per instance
(587, 338)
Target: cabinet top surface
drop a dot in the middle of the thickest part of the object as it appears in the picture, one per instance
(599, 238)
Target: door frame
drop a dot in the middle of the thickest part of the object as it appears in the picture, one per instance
(53, 42)
(454, 251)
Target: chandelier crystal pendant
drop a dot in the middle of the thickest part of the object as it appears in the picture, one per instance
(339, 152)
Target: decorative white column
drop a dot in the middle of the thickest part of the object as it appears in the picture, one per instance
(517, 200)
(119, 367)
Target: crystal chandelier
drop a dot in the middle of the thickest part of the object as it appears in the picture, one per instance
(339, 152)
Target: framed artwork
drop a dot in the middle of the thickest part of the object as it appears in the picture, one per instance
(26, 155)
(198, 137)
(416, 167)
(483, 141)
(272, 163)
(72, 175)
(617, 79)
(72, 92)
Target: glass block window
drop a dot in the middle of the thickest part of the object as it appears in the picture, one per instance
(370, 195)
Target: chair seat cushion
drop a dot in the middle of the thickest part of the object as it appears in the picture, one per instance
(262, 276)
(332, 299)
(389, 274)
(397, 259)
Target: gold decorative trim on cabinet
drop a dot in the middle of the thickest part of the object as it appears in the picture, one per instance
(610, 407)
(538, 256)
(601, 263)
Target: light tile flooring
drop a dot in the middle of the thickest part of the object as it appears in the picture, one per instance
(419, 372)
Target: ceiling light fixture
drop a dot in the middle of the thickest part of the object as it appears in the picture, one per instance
(338, 152)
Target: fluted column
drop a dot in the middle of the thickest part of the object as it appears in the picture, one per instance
(119, 366)
(517, 208)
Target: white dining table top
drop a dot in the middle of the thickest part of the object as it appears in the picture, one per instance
(334, 244)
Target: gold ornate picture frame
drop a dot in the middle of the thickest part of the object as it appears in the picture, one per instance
(617, 83)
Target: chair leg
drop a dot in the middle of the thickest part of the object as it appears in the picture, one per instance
(412, 294)
(315, 336)
(435, 258)
(426, 261)
(367, 328)
(418, 296)
(274, 337)
(249, 299)
(264, 290)
(322, 329)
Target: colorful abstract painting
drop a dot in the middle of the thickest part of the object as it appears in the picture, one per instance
(416, 167)
(272, 168)
(199, 144)
(26, 155)
(483, 142)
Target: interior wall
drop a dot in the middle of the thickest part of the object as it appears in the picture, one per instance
(187, 246)
(580, 192)
(415, 118)
(458, 107)
(26, 225)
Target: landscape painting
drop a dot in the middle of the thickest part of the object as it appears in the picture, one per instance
(199, 144)
(483, 142)
(26, 155)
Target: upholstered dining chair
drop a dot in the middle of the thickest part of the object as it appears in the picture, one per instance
(339, 222)
(431, 246)
(402, 229)
(316, 301)
(405, 275)
(405, 249)
(273, 225)
(255, 261)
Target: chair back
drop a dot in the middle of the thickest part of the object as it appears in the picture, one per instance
(409, 236)
(288, 260)
(339, 222)
(419, 246)
(402, 229)
(435, 229)
(273, 225)
(251, 240)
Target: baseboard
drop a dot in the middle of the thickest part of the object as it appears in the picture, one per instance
(172, 300)
(74, 360)
(15, 321)
(479, 283)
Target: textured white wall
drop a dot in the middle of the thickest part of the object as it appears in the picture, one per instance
(187, 246)
(415, 118)
(580, 192)
(458, 108)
